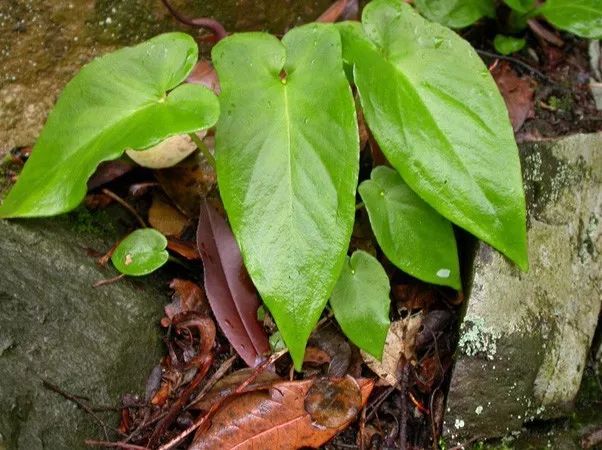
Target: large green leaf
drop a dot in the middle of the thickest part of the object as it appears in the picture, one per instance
(117, 101)
(440, 120)
(360, 302)
(581, 17)
(455, 13)
(414, 236)
(287, 151)
(522, 6)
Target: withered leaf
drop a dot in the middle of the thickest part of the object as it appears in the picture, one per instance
(204, 73)
(187, 297)
(333, 403)
(518, 93)
(400, 343)
(165, 218)
(229, 289)
(275, 420)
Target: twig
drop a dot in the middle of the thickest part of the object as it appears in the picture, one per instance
(205, 417)
(125, 204)
(544, 33)
(204, 22)
(403, 426)
(81, 404)
(123, 445)
(219, 373)
(108, 281)
(203, 148)
(517, 61)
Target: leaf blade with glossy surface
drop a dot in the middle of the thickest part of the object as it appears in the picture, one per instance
(140, 253)
(115, 102)
(440, 120)
(414, 236)
(581, 17)
(455, 13)
(287, 156)
(360, 302)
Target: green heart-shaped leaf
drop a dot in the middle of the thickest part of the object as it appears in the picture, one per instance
(360, 302)
(508, 44)
(521, 6)
(141, 252)
(414, 236)
(440, 120)
(117, 101)
(581, 17)
(287, 152)
(455, 13)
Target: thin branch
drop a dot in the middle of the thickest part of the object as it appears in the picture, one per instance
(204, 22)
(126, 205)
(106, 444)
(517, 61)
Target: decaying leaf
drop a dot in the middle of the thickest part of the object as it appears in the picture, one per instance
(518, 93)
(278, 420)
(165, 218)
(187, 297)
(165, 154)
(229, 289)
(333, 403)
(400, 343)
(204, 73)
(340, 10)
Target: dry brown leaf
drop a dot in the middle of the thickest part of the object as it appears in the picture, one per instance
(275, 420)
(400, 343)
(187, 297)
(167, 219)
(518, 93)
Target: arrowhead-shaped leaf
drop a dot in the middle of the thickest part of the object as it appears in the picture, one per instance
(141, 252)
(287, 155)
(414, 236)
(360, 302)
(582, 17)
(440, 120)
(116, 102)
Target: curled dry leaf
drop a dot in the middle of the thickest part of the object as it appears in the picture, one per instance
(167, 219)
(204, 73)
(187, 297)
(188, 182)
(400, 343)
(108, 171)
(277, 419)
(518, 93)
(230, 291)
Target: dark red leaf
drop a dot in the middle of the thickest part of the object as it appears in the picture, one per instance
(108, 171)
(229, 289)
(518, 93)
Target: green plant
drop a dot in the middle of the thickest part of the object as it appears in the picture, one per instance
(287, 155)
(580, 17)
(140, 253)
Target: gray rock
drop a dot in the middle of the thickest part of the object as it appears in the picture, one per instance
(96, 342)
(525, 337)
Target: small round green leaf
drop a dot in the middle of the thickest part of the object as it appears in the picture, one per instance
(414, 236)
(508, 44)
(360, 302)
(141, 252)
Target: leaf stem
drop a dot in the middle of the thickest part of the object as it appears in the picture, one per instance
(203, 148)
(203, 22)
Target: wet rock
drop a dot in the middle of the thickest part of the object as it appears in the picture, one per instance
(99, 343)
(525, 337)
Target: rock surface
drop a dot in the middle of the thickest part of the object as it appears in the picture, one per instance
(100, 343)
(525, 337)
(44, 43)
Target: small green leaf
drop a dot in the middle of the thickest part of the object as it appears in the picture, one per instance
(455, 13)
(521, 6)
(118, 101)
(581, 17)
(287, 153)
(438, 116)
(414, 236)
(141, 252)
(508, 44)
(360, 302)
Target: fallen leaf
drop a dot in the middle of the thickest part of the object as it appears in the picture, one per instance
(333, 403)
(230, 291)
(518, 93)
(400, 343)
(340, 10)
(277, 419)
(228, 384)
(187, 297)
(186, 183)
(166, 154)
(185, 249)
(331, 341)
(167, 219)
(109, 171)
